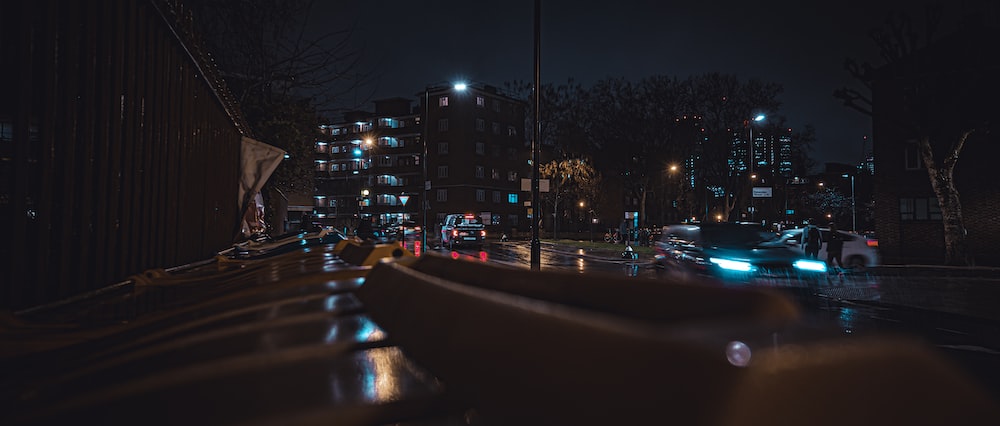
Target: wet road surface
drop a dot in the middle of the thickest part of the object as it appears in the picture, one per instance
(939, 310)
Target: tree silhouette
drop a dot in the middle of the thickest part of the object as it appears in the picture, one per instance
(945, 87)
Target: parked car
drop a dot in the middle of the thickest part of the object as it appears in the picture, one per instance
(462, 229)
(407, 231)
(731, 253)
(860, 252)
(375, 233)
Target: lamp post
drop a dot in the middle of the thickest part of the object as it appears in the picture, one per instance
(536, 249)
(750, 143)
(424, 201)
(854, 212)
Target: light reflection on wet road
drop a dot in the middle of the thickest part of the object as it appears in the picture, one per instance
(859, 303)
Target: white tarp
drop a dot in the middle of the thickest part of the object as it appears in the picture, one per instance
(257, 161)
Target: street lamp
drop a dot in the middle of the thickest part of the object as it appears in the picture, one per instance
(425, 203)
(758, 118)
(854, 212)
(750, 143)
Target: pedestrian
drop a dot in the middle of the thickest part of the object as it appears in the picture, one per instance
(834, 248)
(812, 240)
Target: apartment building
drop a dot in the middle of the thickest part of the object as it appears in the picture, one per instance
(371, 165)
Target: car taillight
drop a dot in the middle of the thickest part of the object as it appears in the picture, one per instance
(872, 243)
(454, 233)
(483, 233)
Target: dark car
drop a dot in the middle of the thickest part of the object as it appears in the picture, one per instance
(731, 253)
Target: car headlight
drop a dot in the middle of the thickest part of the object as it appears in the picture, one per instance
(810, 265)
(732, 265)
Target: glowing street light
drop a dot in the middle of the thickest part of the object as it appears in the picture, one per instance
(757, 119)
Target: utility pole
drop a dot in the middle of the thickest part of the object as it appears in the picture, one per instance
(536, 249)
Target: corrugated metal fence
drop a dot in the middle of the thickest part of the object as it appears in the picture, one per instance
(119, 147)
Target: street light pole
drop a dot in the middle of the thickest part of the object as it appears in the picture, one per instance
(854, 211)
(423, 163)
(750, 144)
(536, 249)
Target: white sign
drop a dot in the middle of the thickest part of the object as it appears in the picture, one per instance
(762, 192)
(404, 198)
(543, 185)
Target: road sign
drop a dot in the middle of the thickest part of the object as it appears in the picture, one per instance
(404, 198)
(762, 192)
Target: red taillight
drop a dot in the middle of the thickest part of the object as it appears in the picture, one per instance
(872, 243)
(454, 233)
(483, 233)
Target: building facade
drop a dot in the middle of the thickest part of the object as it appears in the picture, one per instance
(375, 166)
(961, 74)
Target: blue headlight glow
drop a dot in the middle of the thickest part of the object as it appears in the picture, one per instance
(810, 265)
(732, 265)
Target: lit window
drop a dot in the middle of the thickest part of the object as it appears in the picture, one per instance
(480, 101)
(385, 200)
(512, 198)
(443, 101)
(495, 174)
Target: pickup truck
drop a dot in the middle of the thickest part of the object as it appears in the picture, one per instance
(462, 229)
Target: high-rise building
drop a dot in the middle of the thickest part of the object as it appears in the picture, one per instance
(371, 166)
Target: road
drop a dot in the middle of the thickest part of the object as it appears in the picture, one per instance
(954, 314)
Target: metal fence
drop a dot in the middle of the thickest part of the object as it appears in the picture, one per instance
(119, 146)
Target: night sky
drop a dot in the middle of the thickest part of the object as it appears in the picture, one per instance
(799, 44)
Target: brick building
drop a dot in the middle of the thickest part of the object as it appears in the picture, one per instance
(961, 71)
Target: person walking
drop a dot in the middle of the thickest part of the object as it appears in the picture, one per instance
(812, 240)
(834, 248)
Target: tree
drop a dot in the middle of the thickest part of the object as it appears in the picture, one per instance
(282, 71)
(570, 179)
(725, 104)
(829, 201)
(947, 90)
